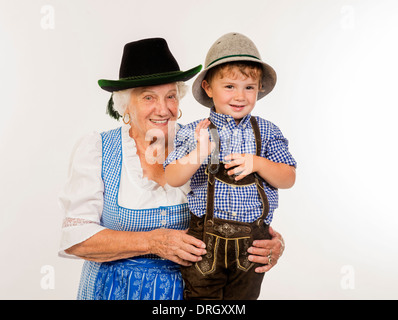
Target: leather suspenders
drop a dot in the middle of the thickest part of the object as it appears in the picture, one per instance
(216, 170)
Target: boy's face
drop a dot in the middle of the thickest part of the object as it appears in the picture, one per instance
(233, 93)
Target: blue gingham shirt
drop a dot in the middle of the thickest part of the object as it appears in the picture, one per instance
(241, 203)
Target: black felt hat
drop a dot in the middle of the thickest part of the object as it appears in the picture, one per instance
(147, 62)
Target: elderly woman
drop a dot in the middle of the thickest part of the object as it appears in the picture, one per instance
(120, 215)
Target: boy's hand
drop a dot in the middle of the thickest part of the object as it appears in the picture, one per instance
(244, 164)
(204, 146)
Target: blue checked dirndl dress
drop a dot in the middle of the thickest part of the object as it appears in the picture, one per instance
(140, 278)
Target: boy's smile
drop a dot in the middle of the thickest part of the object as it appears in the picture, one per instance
(233, 94)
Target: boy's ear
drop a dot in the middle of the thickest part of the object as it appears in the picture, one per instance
(207, 88)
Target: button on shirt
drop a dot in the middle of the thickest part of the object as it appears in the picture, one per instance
(239, 203)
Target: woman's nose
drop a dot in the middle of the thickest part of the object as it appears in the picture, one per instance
(162, 108)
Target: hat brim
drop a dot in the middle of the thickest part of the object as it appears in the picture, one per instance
(268, 80)
(148, 80)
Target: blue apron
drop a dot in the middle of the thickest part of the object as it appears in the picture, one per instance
(141, 278)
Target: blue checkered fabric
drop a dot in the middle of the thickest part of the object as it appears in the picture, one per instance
(231, 202)
(119, 218)
(116, 217)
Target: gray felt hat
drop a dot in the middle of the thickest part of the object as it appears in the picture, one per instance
(233, 47)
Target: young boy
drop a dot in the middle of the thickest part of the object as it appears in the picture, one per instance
(235, 170)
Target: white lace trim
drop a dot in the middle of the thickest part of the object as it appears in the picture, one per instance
(74, 222)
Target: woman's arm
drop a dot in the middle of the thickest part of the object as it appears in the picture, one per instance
(109, 245)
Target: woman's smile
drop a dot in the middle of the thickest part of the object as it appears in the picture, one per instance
(160, 121)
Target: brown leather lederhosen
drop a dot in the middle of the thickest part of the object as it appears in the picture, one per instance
(225, 271)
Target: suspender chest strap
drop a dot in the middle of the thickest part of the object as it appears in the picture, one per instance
(216, 171)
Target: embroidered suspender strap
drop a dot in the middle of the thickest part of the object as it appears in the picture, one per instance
(212, 168)
(257, 135)
(259, 180)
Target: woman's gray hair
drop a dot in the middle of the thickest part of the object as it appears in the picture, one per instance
(121, 99)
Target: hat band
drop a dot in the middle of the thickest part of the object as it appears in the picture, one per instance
(155, 75)
(231, 56)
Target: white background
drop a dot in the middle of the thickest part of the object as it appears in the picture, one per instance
(335, 101)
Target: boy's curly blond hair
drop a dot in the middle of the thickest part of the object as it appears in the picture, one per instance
(246, 68)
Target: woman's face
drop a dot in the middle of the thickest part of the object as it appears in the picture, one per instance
(153, 110)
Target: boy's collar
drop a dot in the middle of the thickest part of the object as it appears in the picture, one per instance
(220, 120)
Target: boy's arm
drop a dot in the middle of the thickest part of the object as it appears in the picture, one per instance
(275, 165)
(278, 175)
(178, 172)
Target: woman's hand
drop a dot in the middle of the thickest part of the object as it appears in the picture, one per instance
(267, 252)
(176, 245)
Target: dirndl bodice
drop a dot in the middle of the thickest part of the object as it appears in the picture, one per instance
(139, 278)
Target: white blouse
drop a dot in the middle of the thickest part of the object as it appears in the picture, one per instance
(82, 197)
